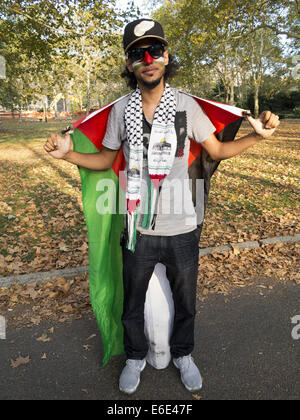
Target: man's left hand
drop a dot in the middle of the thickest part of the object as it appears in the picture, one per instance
(265, 125)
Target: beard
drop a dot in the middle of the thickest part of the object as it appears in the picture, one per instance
(151, 85)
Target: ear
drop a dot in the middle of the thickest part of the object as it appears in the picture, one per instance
(166, 57)
(129, 65)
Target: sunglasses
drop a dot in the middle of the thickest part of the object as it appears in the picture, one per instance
(138, 54)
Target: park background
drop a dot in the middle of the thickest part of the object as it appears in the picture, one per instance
(67, 56)
(64, 59)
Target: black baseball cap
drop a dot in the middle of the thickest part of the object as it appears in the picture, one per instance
(142, 29)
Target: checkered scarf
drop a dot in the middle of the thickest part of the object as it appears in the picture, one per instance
(161, 154)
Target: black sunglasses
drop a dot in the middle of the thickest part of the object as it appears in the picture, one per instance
(138, 54)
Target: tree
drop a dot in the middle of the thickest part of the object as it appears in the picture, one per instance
(224, 41)
(9, 97)
(43, 58)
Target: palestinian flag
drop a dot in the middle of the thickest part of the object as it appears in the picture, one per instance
(104, 230)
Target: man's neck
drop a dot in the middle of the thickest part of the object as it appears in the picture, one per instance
(152, 96)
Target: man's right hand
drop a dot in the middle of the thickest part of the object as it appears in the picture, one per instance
(57, 146)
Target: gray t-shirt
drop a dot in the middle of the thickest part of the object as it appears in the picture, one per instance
(175, 214)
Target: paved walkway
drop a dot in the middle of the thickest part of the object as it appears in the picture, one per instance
(244, 348)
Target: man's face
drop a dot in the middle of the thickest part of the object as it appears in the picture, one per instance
(149, 71)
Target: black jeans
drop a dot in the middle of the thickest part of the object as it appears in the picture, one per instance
(180, 255)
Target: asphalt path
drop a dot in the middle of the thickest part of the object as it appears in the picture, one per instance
(244, 348)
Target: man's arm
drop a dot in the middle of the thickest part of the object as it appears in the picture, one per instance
(264, 127)
(100, 161)
(60, 148)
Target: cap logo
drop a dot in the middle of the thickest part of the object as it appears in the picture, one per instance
(143, 27)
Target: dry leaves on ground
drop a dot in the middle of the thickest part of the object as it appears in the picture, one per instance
(57, 301)
(253, 196)
(221, 272)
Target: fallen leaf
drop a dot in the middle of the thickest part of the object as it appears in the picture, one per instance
(67, 308)
(87, 347)
(36, 320)
(236, 250)
(66, 288)
(31, 292)
(44, 339)
(91, 337)
(20, 361)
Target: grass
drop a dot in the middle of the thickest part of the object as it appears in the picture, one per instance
(254, 195)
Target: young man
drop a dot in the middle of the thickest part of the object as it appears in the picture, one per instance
(154, 125)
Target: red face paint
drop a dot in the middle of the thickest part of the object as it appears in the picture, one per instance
(148, 59)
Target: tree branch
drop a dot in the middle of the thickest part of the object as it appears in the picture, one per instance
(264, 26)
(280, 32)
(22, 13)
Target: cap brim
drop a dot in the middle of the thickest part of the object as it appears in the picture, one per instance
(145, 37)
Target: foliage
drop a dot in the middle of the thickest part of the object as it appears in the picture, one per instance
(230, 50)
(227, 48)
(59, 46)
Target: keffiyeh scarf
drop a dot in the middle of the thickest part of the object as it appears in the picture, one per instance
(161, 154)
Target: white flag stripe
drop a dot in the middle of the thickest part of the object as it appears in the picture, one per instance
(232, 109)
(93, 114)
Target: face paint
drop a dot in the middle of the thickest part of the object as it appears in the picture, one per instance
(138, 64)
(160, 61)
(148, 59)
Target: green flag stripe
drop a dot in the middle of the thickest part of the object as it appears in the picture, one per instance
(105, 254)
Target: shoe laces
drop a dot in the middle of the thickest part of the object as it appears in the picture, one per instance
(185, 362)
(134, 364)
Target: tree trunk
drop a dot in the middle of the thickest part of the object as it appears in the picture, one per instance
(88, 93)
(256, 101)
(232, 101)
(226, 95)
(45, 113)
(240, 89)
(45, 109)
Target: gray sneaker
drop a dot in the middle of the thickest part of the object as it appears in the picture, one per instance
(190, 374)
(130, 377)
